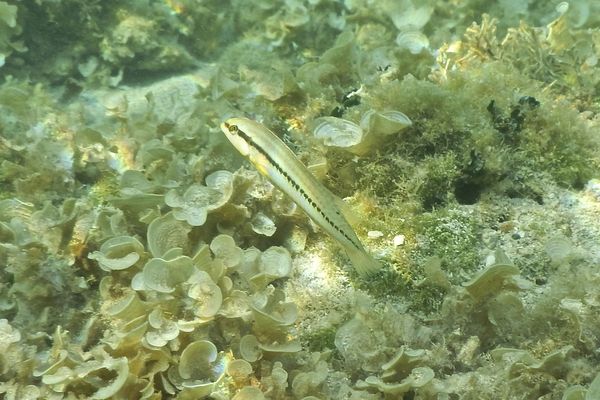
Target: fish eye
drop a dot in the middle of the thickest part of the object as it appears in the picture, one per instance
(233, 129)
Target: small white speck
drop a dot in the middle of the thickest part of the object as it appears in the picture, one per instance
(374, 234)
(398, 240)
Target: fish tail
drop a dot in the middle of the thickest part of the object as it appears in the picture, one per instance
(363, 262)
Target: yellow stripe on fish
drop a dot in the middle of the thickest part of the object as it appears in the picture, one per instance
(274, 160)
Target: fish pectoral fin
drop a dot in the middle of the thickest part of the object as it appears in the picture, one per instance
(260, 162)
(319, 170)
(353, 218)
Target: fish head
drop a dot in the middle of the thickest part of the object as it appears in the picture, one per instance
(236, 135)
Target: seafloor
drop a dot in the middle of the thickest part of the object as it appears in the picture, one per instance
(141, 257)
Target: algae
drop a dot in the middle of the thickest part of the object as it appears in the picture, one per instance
(141, 258)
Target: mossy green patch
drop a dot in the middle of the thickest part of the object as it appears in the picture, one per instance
(453, 235)
(386, 283)
(320, 340)
(105, 188)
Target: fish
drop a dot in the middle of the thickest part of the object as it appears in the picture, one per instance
(277, 162)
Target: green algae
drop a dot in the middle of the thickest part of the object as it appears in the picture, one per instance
(101, 235)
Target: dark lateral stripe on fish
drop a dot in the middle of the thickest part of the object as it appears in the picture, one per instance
(294, 184)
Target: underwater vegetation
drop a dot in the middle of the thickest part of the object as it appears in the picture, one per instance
(142, 258)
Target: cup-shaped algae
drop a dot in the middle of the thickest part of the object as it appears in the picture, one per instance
(384, 122)
(224, 248)
(274, 263)
(118, 253)
(249, 393)
(239, 370)
(163, 329)
(164, 276)
(338, 132)
(262, 224)
(207, 294)
(165, 233)
(200, 368)
(235, 305)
